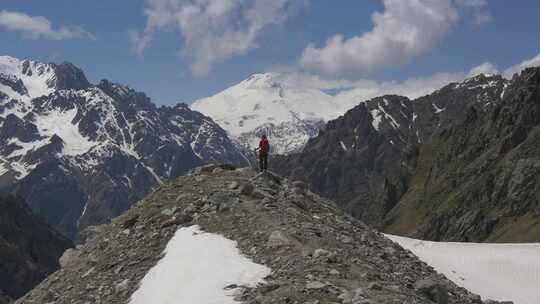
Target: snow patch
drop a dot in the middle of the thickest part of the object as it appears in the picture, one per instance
(196, 268)
(60, 123)
(3, 170)
(393, 121)
(504, 90)
(503, 272)
(437, 109)
(156, 177)
(22, 169)
(376, 115)
(25, 147)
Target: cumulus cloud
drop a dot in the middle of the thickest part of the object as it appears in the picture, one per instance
(404, 30)
(533, 62)
(351, 92)
(38, 27)
(212, 30)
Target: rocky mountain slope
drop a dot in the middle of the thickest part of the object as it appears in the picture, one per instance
(479, 179)
(442, 167)
(83, 153)
(262, 104)
(29, 249)
(316, 253)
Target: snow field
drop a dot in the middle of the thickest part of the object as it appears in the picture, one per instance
(196, 268)
(502, 272)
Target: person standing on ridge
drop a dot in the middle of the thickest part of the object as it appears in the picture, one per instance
(264, 148)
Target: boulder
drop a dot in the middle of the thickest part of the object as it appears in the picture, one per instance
(70, 258)
(278, 239)
(431, 288)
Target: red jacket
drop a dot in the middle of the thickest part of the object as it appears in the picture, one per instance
(264, 146)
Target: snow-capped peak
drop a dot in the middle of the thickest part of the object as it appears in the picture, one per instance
(262, 103)
(38, 78)
(261, 81)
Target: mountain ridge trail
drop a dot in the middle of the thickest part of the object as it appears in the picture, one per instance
(316, 252)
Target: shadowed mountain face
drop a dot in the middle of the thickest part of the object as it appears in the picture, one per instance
(29, 248)
(81, 153)
(460, 164)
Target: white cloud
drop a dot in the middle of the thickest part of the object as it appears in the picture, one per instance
(485, 68)
(352, 92)
(212, 30)
(533, 62)
(404, 30)
(412, 88)
(37, 27)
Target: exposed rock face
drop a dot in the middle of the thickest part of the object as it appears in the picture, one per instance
(317, 253)
(81, 153)
(480, 178)
(29, 249)
(459, 164)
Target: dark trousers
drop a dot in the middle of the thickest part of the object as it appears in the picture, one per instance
(263, 161)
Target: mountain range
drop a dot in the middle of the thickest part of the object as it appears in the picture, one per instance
(460, 164)
(82, 153)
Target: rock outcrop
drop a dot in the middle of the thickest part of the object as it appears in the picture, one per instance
(316, 252)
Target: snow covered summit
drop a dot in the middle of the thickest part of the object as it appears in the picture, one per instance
(29, 79)
(264, 104)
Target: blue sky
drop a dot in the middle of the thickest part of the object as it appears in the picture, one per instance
(178, 66)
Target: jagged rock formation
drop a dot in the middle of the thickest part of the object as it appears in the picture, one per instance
(29, 249)
(81, 153)
(316, 252)
(459, 164)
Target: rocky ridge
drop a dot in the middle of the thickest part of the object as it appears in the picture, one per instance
(317, 253)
